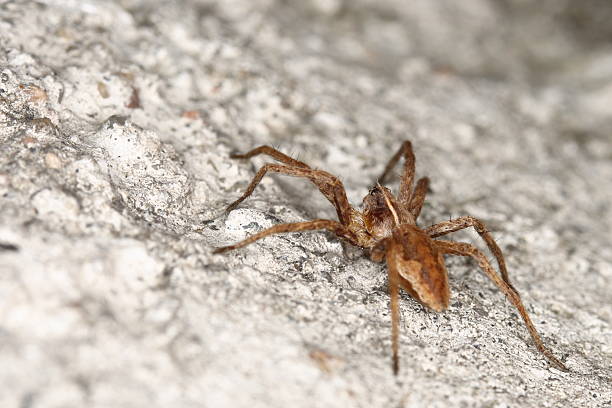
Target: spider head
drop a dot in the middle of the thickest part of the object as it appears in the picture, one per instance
(377, 199)
(380, 212)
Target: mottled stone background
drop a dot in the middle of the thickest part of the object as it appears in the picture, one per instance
(117, 120)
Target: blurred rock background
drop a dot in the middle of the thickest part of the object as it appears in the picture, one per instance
(118, 118)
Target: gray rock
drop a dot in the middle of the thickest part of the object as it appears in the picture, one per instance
(118, 119)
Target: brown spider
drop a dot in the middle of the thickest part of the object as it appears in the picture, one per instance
(387, 229)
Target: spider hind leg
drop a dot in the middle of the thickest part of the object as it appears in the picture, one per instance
(463, 249)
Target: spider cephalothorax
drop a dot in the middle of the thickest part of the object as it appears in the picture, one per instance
(387, 228)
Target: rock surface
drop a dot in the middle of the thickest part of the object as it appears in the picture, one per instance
(118, 118)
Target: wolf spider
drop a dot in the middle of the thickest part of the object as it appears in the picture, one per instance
(387, 228)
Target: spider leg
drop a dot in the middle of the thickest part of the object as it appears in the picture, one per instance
(418, 197)
(446, 227)
(463, 249)
(329, 225)
(272, 152)
(330, 186)
(378, 251)
(394, 281)
(394, 256)
(408, 175)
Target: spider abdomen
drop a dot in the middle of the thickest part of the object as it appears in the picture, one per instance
(420, 266)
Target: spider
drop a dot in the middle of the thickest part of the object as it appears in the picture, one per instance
(387, 228)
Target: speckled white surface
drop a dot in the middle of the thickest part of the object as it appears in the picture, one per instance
(118, 118)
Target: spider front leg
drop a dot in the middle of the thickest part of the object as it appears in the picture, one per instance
(330, 186)
(418, 197)
(408, 175)
(463, 249)
(460, 223)
(272, 152)
(328, 225)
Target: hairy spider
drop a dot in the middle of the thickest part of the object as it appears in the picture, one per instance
(387, 228)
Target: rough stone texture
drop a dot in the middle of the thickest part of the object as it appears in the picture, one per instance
(118, 118)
